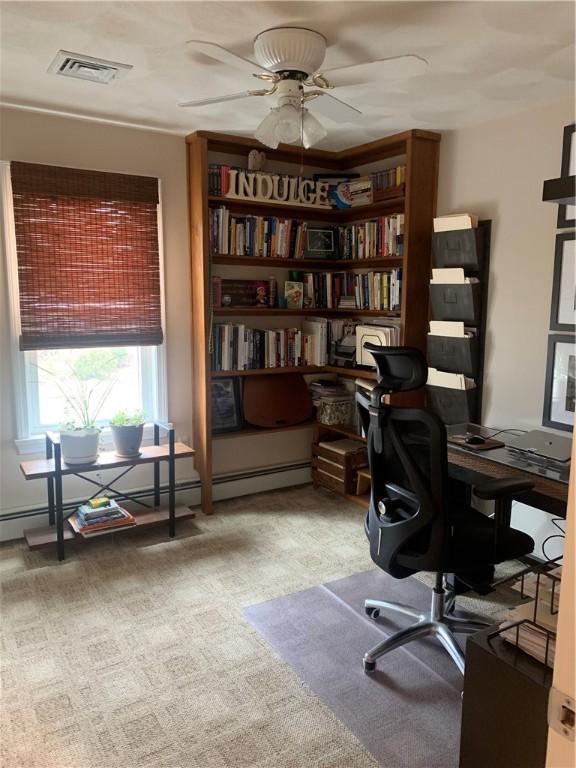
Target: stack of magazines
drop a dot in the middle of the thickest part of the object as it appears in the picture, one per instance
(100, 516)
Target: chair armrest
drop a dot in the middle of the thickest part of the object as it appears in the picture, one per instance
(497, 489)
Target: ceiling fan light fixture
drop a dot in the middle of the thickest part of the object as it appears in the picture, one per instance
(288, 130)
(267, 131)
(312, 130)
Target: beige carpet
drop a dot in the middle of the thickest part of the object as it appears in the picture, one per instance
(133, 652)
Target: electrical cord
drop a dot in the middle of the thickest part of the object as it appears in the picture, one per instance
(500, 431)
(561, 535)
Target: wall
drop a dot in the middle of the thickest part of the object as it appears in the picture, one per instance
(43, 138)
(496, 170)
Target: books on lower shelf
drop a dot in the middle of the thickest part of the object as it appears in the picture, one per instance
(89, 521)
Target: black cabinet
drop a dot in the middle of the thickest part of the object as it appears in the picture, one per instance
(505, 704)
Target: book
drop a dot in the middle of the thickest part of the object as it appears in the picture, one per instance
(294, 294)
(240, 293)
(119, 519)
(88, 534)
(349, 194)
(89, 512)
(455, 221)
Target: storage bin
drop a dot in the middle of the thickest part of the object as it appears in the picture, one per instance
(336, 411)
(459, 248)
(454, 354)
(455, 301)
(335, 464)
(452, 405)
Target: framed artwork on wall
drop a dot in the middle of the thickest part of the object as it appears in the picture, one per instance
(560, 387)
(563, 310)
(226, 405)
(567, 213)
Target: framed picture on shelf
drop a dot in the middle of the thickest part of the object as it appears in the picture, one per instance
(567, 213)
(563, 311)
(560, 387)
(321, 243)
(226, 405)
(294, 294)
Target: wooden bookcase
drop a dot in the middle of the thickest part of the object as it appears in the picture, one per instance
(417, 150)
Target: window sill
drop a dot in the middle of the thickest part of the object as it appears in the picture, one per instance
(36, 445)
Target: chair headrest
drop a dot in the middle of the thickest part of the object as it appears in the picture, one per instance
(400, 369)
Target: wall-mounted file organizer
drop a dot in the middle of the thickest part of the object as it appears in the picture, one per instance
(454, 406)
(459, 248)
(454, 354)
(466, 302)
(450, 301)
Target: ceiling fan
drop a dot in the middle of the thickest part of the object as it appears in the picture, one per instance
(289, 60)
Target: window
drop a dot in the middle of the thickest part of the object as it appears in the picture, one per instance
(85, 292)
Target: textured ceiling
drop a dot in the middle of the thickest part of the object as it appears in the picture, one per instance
(486, 59)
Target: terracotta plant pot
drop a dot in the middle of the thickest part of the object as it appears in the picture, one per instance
(127, 440)
(80, 446)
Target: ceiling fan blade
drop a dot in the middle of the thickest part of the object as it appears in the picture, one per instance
(401, 67)
(219, 53)
(335, 109)
(215, 99)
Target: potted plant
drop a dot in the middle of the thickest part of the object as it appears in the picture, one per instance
(84, 385)
(127, 430)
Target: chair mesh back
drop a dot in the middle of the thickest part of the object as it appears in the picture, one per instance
(408, 463)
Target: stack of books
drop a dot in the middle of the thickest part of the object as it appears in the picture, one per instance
(100, 516)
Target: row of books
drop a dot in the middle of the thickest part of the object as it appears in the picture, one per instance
(320, 341)
(393, 177)
(219, 178)
(284, 238)
(237, 348)
(346, 290)
(93, 520)
(373, 239)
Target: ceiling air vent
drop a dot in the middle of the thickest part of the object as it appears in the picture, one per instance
(87, 68)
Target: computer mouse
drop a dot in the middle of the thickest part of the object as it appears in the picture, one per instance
(474, 439)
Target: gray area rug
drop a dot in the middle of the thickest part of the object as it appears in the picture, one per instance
(407, 714)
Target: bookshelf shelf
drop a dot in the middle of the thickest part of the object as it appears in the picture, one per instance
(257, 207)
(352, 373)
(309, 264)
(346, 430)
(36, 538)
(253, 431)
(254, 311)
(305, 369)
(311, 213)
(417, 150)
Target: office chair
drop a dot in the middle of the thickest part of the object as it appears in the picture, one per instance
(415, 522)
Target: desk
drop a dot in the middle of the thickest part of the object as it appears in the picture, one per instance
(473, 467)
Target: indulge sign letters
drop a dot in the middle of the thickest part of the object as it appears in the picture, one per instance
(272, 188)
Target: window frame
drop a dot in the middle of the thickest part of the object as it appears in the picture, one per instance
(25, 397)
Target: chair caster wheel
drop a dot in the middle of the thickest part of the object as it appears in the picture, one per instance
(372, 612)
(369, 666)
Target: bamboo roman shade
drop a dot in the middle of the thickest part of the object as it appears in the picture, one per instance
(88, 259)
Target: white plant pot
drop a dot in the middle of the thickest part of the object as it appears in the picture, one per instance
(80, 446)
(127, 439)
